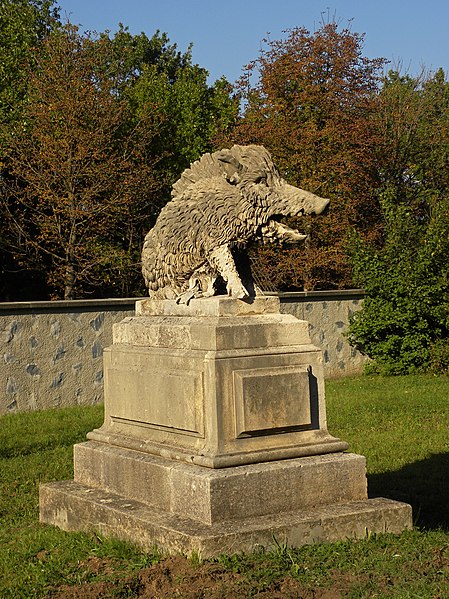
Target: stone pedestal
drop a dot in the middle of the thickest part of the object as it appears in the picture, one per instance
(215, 437)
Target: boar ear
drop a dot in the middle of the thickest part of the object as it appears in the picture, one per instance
(231, 165)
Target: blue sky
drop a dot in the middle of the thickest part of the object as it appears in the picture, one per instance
(228, 34)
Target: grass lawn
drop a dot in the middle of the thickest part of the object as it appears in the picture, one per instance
(400, 424)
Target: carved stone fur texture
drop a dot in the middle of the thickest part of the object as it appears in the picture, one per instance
(221, 204)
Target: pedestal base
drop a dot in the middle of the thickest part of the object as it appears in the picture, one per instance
(179, 507)
(215, 438)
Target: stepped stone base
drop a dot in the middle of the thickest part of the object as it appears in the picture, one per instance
(180, 507)
(218, 495)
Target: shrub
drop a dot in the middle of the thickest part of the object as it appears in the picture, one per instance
(404, 323)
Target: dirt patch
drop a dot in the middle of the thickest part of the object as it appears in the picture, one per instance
(177, 577)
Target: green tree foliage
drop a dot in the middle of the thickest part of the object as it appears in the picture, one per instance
(192, 108)
(309, 99)
(404, 324)
(23, 23)
(156, 72)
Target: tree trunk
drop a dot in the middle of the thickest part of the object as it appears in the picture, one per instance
(69, 289)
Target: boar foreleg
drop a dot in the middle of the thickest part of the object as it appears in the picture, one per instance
(222, 260)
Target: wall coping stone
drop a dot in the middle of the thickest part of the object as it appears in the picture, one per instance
(68, 305)
(335, 294)
(126, 303)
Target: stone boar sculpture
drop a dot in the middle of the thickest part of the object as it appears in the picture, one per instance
(221, 204)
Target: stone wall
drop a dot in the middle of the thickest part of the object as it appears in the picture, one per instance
(51, 352)
(328, 314)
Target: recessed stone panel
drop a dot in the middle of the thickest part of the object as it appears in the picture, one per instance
(168, 400)
(272, 399)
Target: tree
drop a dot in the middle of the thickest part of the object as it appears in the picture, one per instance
(310, 106)
(23, 24)
(78, 167)
(404, 324)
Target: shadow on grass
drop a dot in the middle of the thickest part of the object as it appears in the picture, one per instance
(424, 485)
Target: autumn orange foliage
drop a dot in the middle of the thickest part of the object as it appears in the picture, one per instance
(77, 167)
(309, 99)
